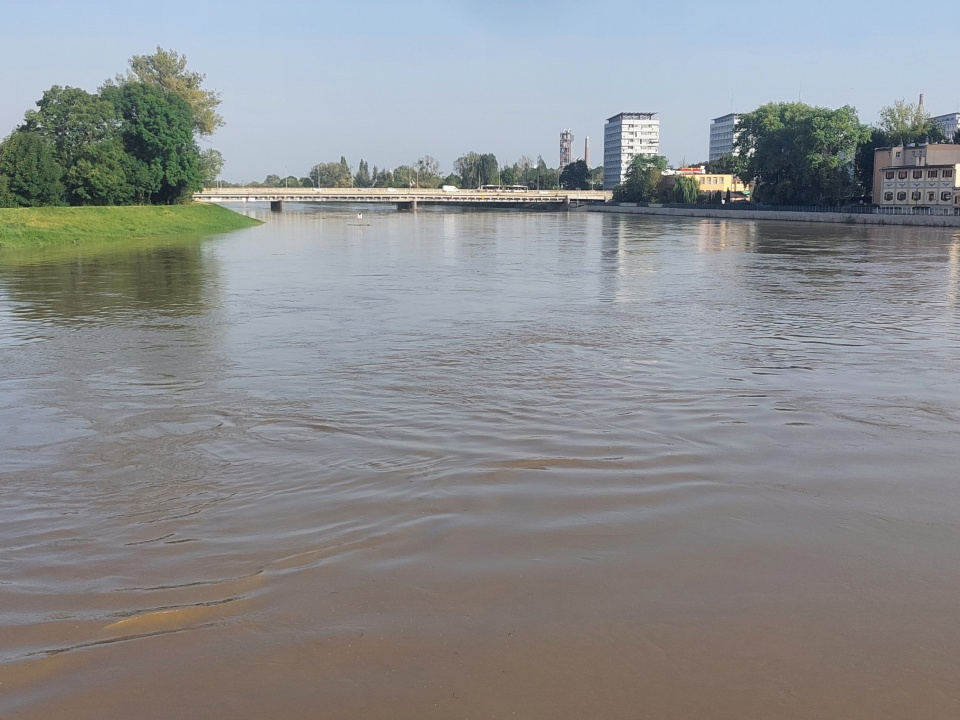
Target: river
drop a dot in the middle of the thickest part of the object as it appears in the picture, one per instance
(483, 465)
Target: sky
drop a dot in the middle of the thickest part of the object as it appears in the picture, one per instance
(389, 82)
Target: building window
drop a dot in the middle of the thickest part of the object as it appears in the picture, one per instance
(890, 175)
(948, 173)
(902, 174)
(932, 173)
(916, 195)
(945, 196)
(931, 196)
(901, 196)
(888, 196)
(917, 174)
(898, 154)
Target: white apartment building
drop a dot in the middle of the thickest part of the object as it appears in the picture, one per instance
(950, 123)
(624, 137)
(722, 131)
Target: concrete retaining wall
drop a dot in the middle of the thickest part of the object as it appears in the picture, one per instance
(952, 221)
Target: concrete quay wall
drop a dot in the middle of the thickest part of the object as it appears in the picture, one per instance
(949, 221)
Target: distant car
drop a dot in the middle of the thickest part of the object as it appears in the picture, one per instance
(450, 188)
(392, 190)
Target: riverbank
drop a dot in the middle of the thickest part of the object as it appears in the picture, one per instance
(949, 221)
(60, 226)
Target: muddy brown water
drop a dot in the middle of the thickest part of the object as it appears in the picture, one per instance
(484, 465)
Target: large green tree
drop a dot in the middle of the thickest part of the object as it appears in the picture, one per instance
(575, 176)
(798, 154)
(33, 176)
(157, 134)
(72, 119)
(642, 182)
(686, 189)
(903, 123)
(332, 174)
(99, 175)
(167, 70)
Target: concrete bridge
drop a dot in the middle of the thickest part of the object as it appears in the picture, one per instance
(404, 198)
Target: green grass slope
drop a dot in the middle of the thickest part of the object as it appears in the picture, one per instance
(59, 226)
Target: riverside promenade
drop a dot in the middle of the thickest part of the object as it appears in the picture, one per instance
(845, 218)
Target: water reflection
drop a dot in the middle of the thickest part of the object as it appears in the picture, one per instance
(171, 280)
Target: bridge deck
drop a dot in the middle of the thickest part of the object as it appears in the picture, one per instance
(399, 196)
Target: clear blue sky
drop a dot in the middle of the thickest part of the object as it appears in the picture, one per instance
(305, 82)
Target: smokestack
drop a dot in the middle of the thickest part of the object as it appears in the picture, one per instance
(921, 101)
(586, 151)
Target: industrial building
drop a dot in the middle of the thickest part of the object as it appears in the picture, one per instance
(624, 137)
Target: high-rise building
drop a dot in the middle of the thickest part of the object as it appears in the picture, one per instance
(586, 151)
(624, 137)
(566, 148)
(950, 123)
(722, 132)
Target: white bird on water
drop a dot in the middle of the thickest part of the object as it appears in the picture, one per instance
(359, 216)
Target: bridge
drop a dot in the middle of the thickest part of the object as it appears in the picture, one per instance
(405, 198)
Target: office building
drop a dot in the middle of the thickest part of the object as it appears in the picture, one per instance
(722, 132)
(624, 137)
(950, 124)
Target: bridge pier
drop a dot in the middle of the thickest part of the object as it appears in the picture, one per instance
(276, 206)
(408, 205)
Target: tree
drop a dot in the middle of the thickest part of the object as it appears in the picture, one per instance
(903, 123)
(33, 175)
(642, 180)
(99, 175)
(575, 176)
(71, 119)
(726, 165)
(168, 70)
(332, 174)
(686, 189)
(475, 169)
(956, 137)
(6, 197)
(428, 166)
(468, 168)
(596, 177)
(797, 154)
(157, 133)
(362, 178)
(211, 164)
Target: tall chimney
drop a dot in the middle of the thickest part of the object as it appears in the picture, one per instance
(921, 101)
(586, 151)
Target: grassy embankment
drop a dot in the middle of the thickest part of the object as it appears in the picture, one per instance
(64, 226)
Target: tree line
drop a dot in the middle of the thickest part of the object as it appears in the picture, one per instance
(794, 154)
(134, 141)
(470, 170)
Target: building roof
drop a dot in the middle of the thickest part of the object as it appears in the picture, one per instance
(726, 117)
(633, 116)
